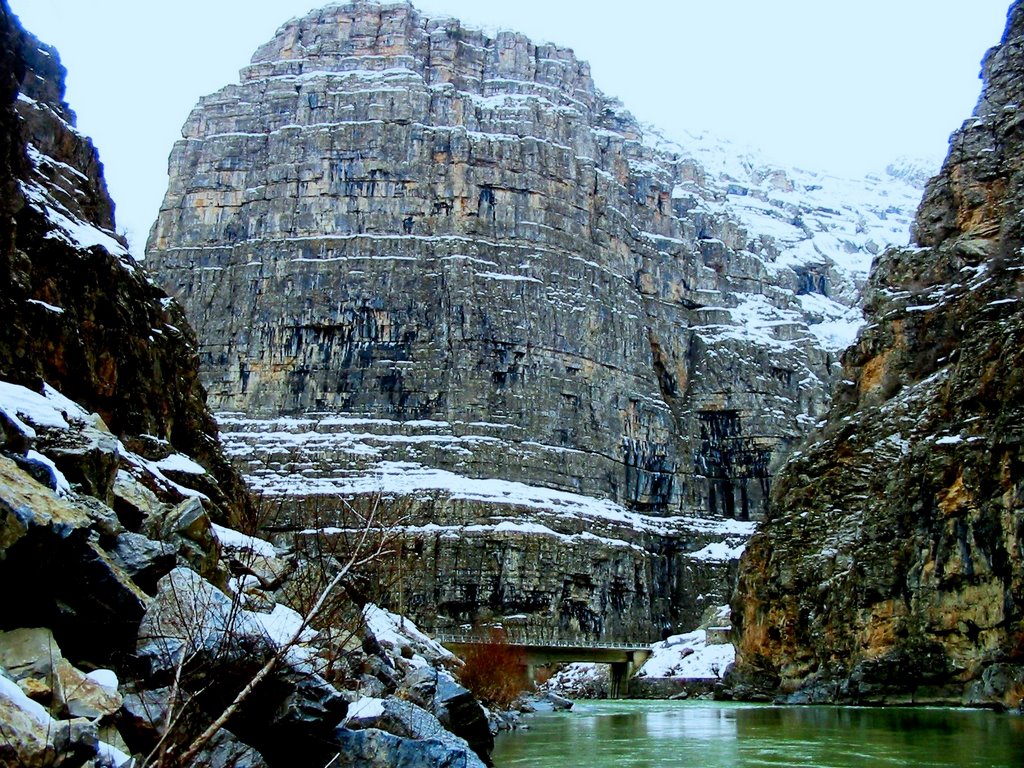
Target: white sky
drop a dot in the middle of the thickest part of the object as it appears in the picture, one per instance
(825, 84)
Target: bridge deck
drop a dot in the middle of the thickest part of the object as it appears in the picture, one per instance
(624, 658)
(446, 639)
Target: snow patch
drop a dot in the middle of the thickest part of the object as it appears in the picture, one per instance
(397, 631)
(232, 539)
(365, 708)
(688, 656)
(179, 462)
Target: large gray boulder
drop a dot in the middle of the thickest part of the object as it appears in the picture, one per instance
(373, 748)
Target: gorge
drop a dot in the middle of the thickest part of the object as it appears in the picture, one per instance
(433, 334)
(441, 265)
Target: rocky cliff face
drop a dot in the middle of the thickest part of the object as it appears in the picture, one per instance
(461, 271)
(130, 613)
(891, 569)
(78, 315)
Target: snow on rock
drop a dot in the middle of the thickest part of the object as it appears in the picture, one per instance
(60, 482)
(579, 680)
(105, 678)
(21, 405)
(394, 631)
(719, 552)
(190, 615)
(9, 690)
(66, 226)
(688, 656)
(820, 229)
(283, 625)
(367, 707)
(111, 755)
(179, 462)
(138, 464)
(232, 539)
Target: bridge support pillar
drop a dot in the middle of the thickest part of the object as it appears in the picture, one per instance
(619, 680)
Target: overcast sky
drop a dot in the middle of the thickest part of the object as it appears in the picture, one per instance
(825, 84)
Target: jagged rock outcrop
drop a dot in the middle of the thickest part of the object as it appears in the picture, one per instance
(77, 312)
(454, 260)
(98, 385)
(891, 569)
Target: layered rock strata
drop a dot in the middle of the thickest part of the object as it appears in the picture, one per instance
(891, 568)
(455, 245)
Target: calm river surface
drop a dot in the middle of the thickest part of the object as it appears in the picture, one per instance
(724, 735)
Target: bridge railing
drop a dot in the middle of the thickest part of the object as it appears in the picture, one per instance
(539, 642)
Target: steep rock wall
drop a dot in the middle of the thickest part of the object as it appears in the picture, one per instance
(452, 259)
(891, 570)
(98, 379)
(78, 314)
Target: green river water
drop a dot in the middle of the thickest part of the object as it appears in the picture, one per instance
(652, 734)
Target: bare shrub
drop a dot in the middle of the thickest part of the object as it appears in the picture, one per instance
(495, 670)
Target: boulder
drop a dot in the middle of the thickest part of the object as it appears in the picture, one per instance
(145, 560)
(29, 652)
(32, 659)
(225, 750)
(83, 696)
(136, 504)
(250, 555)
(372, 748)
(143, 716)
(455, 706)
(401, 718)
(87, 455)
(189, 528)
(189, 616)
(26, 503)
(67, 581)
(33, 739)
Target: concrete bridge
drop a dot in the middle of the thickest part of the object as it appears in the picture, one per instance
(624, 658)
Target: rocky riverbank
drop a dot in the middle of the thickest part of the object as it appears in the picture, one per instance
(136, 616)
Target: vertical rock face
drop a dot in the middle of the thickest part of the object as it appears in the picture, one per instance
(453, 260)
(892, 567)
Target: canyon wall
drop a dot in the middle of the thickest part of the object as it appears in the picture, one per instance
(132, 610)
(432, 262)
(78, 314)
(890, 570)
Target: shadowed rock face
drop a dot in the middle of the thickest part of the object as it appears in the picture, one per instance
(892, 567)
(77, 314)
(108, 359)
(449, 253)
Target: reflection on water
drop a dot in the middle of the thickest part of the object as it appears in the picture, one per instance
(723, 735)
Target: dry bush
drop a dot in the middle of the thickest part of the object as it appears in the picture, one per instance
(495, 671)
